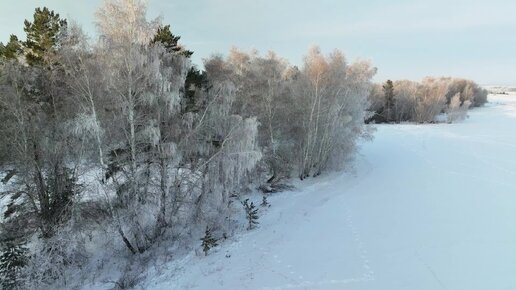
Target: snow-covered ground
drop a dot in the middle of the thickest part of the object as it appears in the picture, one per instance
(429, 207)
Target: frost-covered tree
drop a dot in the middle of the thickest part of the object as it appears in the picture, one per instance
(333, 96)
(221, 148)
(431, 100)
(405, 100)
(144, 80)
(175, 168)
(468, 90)
(163, 108)
(302, 113)
(457, 110)
(87, 84)
(262, 90)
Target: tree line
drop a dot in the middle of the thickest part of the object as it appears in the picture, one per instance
(422, 102)
(119, 142)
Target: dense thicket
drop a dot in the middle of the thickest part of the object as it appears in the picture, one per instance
(306, 115)
(122, 143)
(406, 100)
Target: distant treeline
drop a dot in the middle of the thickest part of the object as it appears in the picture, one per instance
(421, 102)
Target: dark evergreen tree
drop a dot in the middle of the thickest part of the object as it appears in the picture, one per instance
(251, 214)
(13, 257)
(208, 241)
(62, 186)
(12, 49)
(43, 35)
(46, 107)
(388, 89)
(170, 41)
(196, 81)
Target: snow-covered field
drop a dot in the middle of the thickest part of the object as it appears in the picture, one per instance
(429, 207)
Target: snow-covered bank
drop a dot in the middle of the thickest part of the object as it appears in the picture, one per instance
(430, 207)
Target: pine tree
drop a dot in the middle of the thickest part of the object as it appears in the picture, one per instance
(62, 185)
(170, 41)
(43, 35)
(251, 213)
(13, 257)
(12, 49)
(208, 241)
(388, 89)
(196, 80)
(44, 107)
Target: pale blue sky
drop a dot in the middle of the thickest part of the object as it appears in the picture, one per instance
(404, 39)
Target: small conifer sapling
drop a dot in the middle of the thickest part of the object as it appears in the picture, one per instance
(265, 202)
(251, 213)
(13, 258)
(208, 241)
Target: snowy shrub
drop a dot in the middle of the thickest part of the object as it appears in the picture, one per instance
(55, 261)
(260, 91)
(431, 100)
(468, 90)
(129, 279)
(405, 100)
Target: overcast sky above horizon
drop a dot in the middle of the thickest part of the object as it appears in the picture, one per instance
(404, 39)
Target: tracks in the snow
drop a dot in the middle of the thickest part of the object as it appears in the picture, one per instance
(295, 280)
